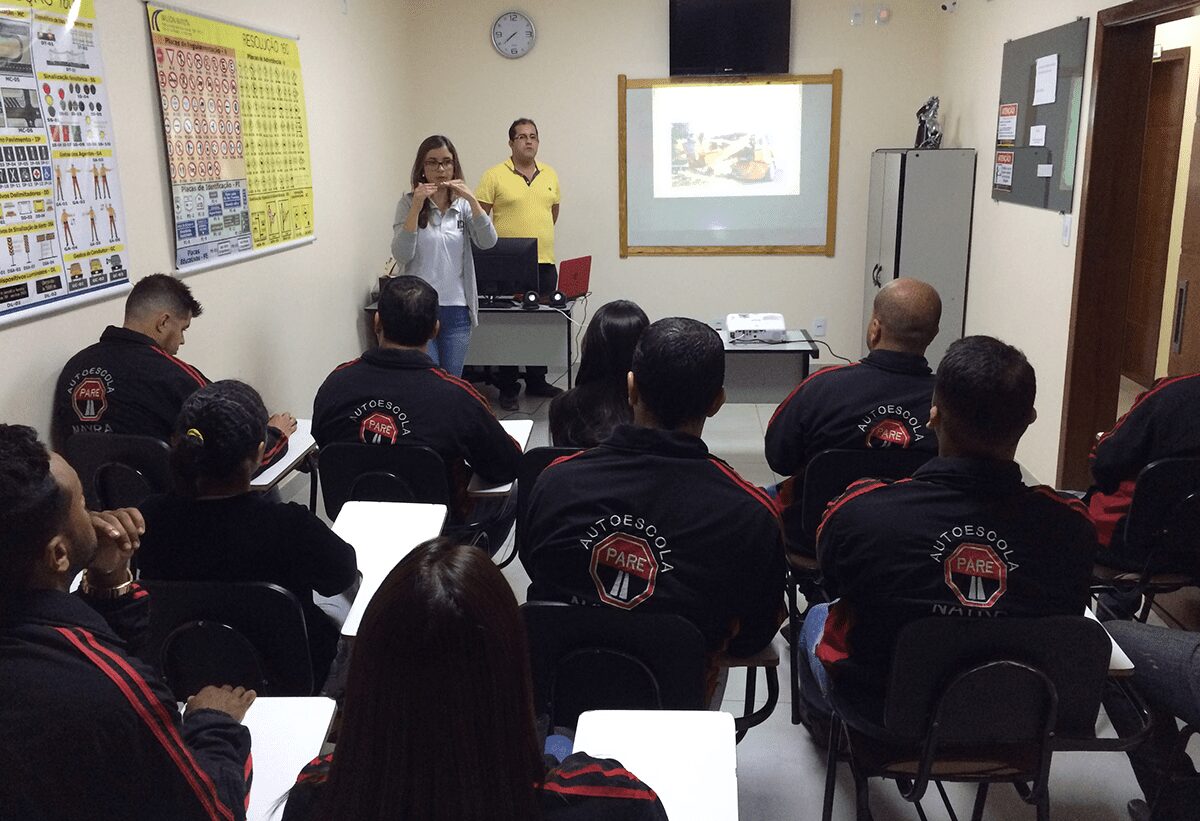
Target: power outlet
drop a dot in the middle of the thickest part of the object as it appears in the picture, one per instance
(818, 328)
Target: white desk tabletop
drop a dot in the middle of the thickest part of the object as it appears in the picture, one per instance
(382, 533)
(697, 786)
(1119, 664)
(285, 734)
(300, 444)
(519, 430)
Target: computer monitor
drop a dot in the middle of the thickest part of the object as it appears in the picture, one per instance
(508, 268)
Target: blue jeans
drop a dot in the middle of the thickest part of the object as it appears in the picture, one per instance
(814, 678)
(449, 348)
(1167, 675)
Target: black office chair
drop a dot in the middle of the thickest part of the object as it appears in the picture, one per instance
(118, 470)
(602, 658)
(533, 462)
(251, 634)
(1162, 533)
(828, 474)
(979, 702)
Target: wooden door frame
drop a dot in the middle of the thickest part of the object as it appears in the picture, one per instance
(1119, 101)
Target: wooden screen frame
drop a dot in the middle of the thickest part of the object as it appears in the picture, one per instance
(834, 80)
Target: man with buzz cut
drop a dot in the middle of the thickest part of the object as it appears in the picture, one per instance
(395, 395)
(523, 198)
(881, 401)
(964, 537)
(87, 730)
(649, 521)
(131, 381)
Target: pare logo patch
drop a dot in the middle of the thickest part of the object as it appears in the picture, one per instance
(378, 429)
(624, 569)
(89, 400)
(976, 574)
(889, 433)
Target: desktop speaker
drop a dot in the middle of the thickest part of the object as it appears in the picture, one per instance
(558, 300)
(530, 301)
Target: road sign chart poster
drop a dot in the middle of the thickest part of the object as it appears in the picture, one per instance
(236, 133)
(62, 224)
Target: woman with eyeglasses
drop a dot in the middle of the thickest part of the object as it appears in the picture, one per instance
(435, 226)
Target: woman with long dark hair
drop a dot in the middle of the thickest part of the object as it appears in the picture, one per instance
(435, 226)
(214, 528)
(585, 415)
(438, 715)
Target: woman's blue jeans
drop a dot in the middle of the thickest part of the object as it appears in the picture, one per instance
(449, 348)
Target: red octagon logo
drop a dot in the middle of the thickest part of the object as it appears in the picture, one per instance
(889, 433)
(90, 400)
(976, 574)
(378, 429)
(624, 569)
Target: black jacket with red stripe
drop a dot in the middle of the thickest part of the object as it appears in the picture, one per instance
(879, 402)
(961, 538)
(650, 521)
(394, 396)
(126, 384)
(88, 731)
(1160, 424)
(582, 788)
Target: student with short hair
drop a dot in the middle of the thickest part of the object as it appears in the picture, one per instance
(649, 520)
(438, 715)
(395, 395)
(86, 729)
(132, 381)
(585, 415)
(963, 537)
(214, 528)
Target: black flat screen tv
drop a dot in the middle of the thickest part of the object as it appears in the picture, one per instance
(507, 269)
(713, 37)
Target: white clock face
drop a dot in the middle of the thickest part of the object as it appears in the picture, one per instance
(513, 34)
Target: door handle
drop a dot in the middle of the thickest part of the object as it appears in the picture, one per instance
(1181, 297)
(875, 272)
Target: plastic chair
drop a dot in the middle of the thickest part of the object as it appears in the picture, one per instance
(119, 470)
(601, 658)
(1163, 530)
(979, 702)
(828, 474)
(251, 634)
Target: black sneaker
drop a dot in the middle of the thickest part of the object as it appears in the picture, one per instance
(541, 389)
(508, 398)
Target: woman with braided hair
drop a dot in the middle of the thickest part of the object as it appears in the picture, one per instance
(213, 527)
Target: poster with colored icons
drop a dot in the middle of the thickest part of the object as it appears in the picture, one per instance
(236, 134)
(62, 224)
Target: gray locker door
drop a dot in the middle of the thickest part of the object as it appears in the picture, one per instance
(882, 225)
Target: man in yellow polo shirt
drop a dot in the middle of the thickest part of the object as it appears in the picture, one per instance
(523, 197)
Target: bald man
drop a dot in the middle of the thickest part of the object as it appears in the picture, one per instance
(881, 401)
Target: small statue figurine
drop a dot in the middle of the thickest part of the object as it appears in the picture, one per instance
(929, 131)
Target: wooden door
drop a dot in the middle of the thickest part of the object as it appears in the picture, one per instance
(1185, 324)
(1156, 202)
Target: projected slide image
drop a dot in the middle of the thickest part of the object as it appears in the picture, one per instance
(726, 141)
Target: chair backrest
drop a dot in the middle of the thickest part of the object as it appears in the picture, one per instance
(831, 471)
(251, 634)
(1164, 517)
(533, 462)
(1004, 706)
(351, 471)
(119, 470)
(601, 658)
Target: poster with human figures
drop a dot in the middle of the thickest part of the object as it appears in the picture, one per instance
(62, 224)
(236, 134)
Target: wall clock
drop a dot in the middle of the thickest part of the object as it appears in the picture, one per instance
(513, 34)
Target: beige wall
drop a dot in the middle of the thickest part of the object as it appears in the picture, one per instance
(1179, 34)
(280, 322)
(1021, 275)
(568, 84)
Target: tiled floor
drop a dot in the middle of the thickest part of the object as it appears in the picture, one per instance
(781, 772)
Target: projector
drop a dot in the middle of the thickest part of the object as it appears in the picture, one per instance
(755, 327)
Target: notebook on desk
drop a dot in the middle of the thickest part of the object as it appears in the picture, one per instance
(574, 276)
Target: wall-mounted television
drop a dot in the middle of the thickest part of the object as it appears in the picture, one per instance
(712, 37)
